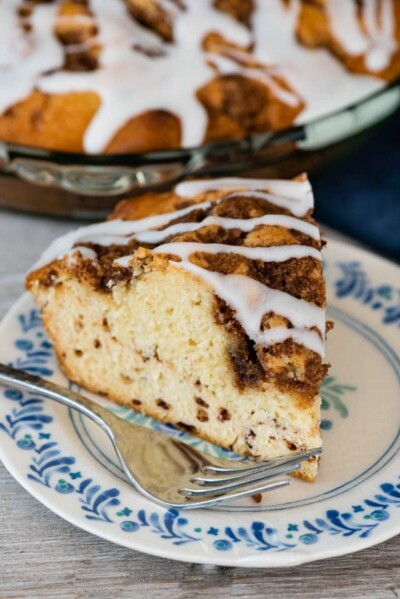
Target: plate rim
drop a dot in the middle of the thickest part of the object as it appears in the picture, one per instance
(261, 560)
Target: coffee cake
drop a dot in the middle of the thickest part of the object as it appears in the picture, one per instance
(203, 307)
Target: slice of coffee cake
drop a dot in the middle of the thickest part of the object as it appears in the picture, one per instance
(203, 307)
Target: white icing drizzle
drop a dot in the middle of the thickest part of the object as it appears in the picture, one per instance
(129, 82)
(345, 27)
(308, 339)
(296, 207)
(112, 231)
(250, 299)
(297, 196)
(275, 253)
(85, 253)
(316, 75)
(226, 67)
(376, 41)
(24, 57)
(382, 32)
(245, 225)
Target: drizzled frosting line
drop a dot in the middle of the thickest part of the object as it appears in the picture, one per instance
(279, 253)
(112, 231)
(130, 82)
(376, 40)
(296, 196)
(245, 225)
(251, 300)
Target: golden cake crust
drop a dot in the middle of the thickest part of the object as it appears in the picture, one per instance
(248, 101)
(35, 120)
(301, 373)
(155, 337)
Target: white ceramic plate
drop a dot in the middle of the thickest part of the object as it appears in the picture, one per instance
(67, 463)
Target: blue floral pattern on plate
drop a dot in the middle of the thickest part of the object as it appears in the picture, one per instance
(355, 283)
(29, 424)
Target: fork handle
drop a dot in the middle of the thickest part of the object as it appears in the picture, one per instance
(10, 377)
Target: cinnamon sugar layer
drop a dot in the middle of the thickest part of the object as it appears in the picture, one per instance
(281, 342)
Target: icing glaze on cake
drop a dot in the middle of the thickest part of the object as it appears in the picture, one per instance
(173, 311)
(138, 71)
(249, 298)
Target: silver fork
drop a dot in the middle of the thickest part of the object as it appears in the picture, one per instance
(162, 468)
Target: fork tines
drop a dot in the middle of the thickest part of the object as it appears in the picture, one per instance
(240, 481)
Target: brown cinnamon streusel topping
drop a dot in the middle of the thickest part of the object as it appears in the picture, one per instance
(290, 366)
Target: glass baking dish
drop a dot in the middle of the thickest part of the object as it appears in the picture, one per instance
(88, 186)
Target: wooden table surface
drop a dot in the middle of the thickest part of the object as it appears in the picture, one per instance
(42, 556)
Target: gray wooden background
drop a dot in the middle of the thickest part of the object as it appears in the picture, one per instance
(42, 556)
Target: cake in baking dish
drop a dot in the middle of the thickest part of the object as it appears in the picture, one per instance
(143, 75)
(203, 307)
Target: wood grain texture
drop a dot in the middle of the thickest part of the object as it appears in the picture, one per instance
(42, 556)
